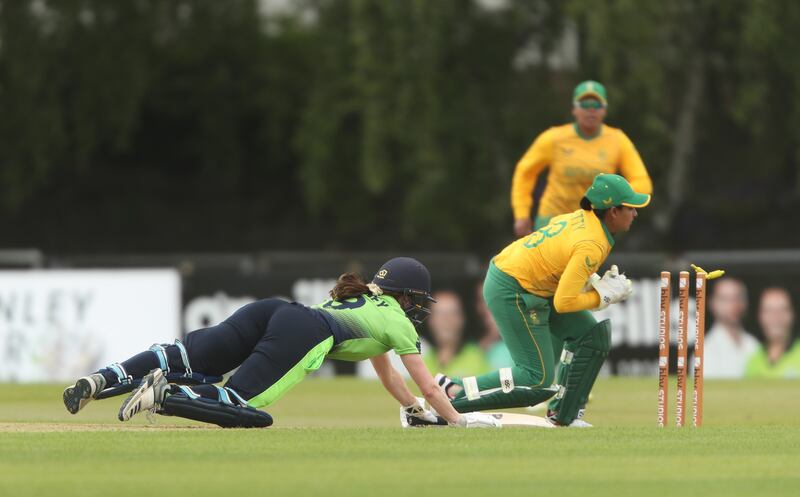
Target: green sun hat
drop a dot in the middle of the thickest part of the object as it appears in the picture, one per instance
(590, 89)
(612, 190)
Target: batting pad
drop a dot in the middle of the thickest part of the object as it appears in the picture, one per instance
(211, 411)
(173, 377)
(580, 365)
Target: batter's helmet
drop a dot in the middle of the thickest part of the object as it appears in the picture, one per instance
(411, 278)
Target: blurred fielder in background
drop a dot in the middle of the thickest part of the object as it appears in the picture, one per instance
(574, 153)
(542, 286)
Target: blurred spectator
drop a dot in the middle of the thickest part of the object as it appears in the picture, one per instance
(779, 357)
(728, 346)
(450, 354)
(497, 354)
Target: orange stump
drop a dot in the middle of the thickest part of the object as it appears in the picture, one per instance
(700, 330)
(683, 346)
(663, 348)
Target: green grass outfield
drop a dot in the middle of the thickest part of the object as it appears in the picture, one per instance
(342, 437)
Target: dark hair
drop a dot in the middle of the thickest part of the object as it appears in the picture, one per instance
(586, 205)
(349, 285)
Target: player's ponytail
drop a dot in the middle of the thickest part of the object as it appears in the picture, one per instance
(349, 285)
(586, 205)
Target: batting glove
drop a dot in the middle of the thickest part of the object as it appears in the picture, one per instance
(416, 415)
(477, 420)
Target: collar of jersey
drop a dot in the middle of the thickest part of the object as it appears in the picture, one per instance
(585, 137)
(605, 230)
(392, 302)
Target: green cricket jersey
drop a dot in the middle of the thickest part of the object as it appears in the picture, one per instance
(788, 366)
(470, 360)
(368, 326)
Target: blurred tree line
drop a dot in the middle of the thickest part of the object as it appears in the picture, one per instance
(152, 125)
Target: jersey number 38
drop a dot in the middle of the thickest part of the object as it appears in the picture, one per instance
(537, 237)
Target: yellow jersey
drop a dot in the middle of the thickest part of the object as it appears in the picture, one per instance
(574, 161)
(557, 260)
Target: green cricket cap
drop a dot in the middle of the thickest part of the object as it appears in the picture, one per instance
(612, 190)
(590, 89)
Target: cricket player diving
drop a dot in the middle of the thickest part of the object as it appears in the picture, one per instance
(542, 287)
(275, 344)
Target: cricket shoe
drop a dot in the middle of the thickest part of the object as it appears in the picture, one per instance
(147, 397)
(83, 391)
(576, 423)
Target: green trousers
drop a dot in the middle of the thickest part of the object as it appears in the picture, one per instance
(528, 325)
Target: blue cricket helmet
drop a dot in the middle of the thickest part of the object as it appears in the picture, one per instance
(409, 277)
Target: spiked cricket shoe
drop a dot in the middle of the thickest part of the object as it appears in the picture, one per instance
(147, 397)
(83, 391)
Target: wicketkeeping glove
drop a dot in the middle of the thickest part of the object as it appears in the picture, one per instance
(612, 287)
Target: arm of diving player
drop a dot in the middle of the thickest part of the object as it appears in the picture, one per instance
(538, 156)
(569, 296)
(430, 390)
(392, 381)
(632, 168)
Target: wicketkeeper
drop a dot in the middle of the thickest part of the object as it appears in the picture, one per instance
(573, 154)
(541, 287)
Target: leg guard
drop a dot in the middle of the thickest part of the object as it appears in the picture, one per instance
(175, 366)
(210, 411)
(476, 397)
(178, 364)
(123, 378)
(180, 379)
(520, 397)
(580, 364)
